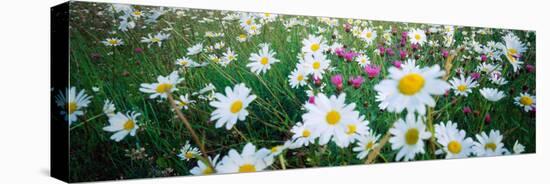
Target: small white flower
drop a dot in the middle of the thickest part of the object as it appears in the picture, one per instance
(489, 145)
(113, 42)
(525, 101)
(195, 49)
(518, 148)
(417, 36)
(157, 39)
(203, 168)
(72, 104)
(492, 94)
(187, 152)
(122, 125)
(408, 137)
(303, 135)
(163, 87)
(366, 144)
(454, 142)
(463, 86)
(109, 108)
(249, 160)
(231, 106)
(261, 62)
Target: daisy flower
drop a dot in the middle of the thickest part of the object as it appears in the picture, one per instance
(454, 141)
(203, 168)
(242, 38)
(276, 150)
(109, 108)
(195, 49)
(72, 103)
(365, 144)
(329, 116)
(184, 101)
(487, 67)
(247, 21)
(231, 106)
(353, 130)
(261, 62)
(489, 145)
(314, 44)
(157, 39)
(186, 62)
(163, 87)
(513, 48)
(187, 152)
(368, 35)
(112, 42)
(417, 36)
(316, 64)
(408, 137)
(463, 86)
(303, 135)
(249, 160)
(492, 94)
(228, 56)
(526, 101)
(297, 78)
(518, 148)
(122, 124)
(411, 88)
(363, 60)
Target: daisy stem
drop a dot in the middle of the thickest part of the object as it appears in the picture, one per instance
(282, 160)
(376, 151)
(188, 126)
(240, 134)
(83, 122)
(429, 121)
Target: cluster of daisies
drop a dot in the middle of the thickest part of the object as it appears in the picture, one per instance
(407, 89)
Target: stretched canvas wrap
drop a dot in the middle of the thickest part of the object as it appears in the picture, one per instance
(145, 91)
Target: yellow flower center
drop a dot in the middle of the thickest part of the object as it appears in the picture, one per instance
(316, 65)
(242, 36)
(491, 146)
(411, 136)
(461, 88)
(274, 149)
(369, 145)
(71, 107)
(352, 128)
(315, 47)
(188, 155)
(247, 168)
(333, 117)
(511, 52)
(525, 100)
(369, 34)
(207, 171)
(454, 147)
(182, 103)
(184, 62)
(112, 41)
(253, 28)
(264, 61)
(164, 88)
(249, 21)
(129, 125)
(155, 40)
(300, 77)
(417, 37)
(236, 106)
(137, 13)
(411, 84)
(306, 133)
